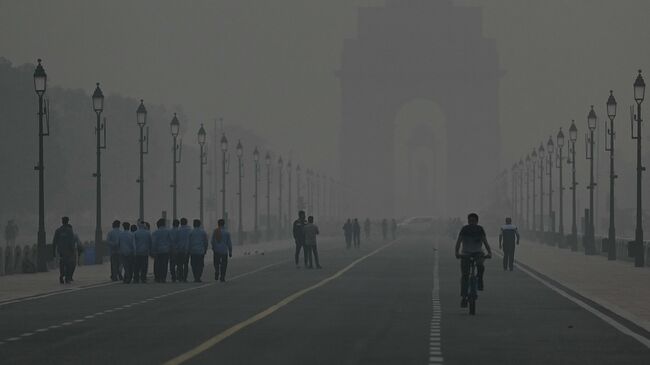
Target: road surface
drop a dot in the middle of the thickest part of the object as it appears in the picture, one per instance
(387, 303)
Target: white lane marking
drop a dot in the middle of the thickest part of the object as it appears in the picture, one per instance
(435, 354)
(607, 319)
(58, 292)
(143, 301)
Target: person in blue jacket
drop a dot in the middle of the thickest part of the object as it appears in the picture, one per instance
(160, 246)
(142, 238)
(198, 245)
(126, 246)
(182, 251)
(173, 235)
(222, 250)
(112, 237)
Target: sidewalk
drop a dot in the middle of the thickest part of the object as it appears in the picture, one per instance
(616, 285)
(17, 286)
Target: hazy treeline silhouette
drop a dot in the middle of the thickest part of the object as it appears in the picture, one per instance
(70, 157)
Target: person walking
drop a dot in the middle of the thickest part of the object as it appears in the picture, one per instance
(173, 235)
(113, 237)
(508, 237)
(356, 232)
(64, 242)
(299, 237)
(384, 228)
(222, 250)
(11, 233)
(366, 228)
(347, 232)
(393, 228)
(143, 242)
(126, 246)
(311, 231)
(160, 246)
(198, 245)
(182, 251)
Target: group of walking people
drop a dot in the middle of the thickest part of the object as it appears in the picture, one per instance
(352, 231)
(172, 249)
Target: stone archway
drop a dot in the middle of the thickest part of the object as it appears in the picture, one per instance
(418, 49)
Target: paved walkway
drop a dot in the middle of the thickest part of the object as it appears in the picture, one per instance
(616, 285)
(18, 286)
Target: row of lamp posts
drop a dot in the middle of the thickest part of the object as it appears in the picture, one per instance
(525, 171)
(40, 86)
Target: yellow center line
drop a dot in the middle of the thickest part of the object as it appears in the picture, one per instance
(211, 342)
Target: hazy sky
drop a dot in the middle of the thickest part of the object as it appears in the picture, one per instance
(270, 65)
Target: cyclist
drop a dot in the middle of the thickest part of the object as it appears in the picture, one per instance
(472, 236)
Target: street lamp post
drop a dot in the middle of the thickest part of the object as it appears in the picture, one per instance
(590, 245)
(289, 208)
(299, 198)
(573, 137)
(550, 149)
(268, 195)
(533, 161)
(40, 84)
(141, 114)
(541, 156)
(611, 113)
(203, 161)
(280, 177)
(224, 149)
(639, 95)
(256, 160)
(559, 161)
(240, 224)
(513, 189)
(528, 164)
(174, 128)
(98, 107)
(521, 190)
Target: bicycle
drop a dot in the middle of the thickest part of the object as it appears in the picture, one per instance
(472, 287)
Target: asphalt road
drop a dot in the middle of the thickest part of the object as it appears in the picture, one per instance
(375, 305)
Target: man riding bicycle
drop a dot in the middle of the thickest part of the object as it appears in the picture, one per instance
(472, 236)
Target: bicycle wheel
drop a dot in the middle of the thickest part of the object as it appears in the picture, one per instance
(472, 306)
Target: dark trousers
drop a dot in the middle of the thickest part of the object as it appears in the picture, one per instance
(181, 262)
(357, 239)
(66, 267)
(160, 267)
(508, 255)
(128, 262)
(172, 266)
(348, 240)
(312, 251)
(116, 271)
(197, 266)
(464, 270)
(220, 266)
(140, 268)
(300, 246)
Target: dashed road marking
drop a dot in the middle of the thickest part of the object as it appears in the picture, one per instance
(435, 352)
(116, 309)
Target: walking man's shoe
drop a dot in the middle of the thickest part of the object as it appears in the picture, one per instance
(463, 302)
